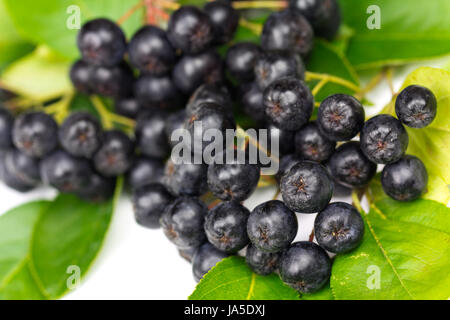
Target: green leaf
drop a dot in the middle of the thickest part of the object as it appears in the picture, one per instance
(232, 279)
(44, 21)
(405, 247)
(45, 239)
(39, 76)
(416, 30)
(430, 144)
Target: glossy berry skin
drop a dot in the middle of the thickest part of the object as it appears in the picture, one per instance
(339, 228)
(272, 226)
(35, 134)
(285, 139)
(224, 19)
(251, 99)
(115, 82)
(340, 117)
(101, 42)
(190, 30)
(232, 181)
(150, 51)
(261, 262)
(324, 15)
(287, 31)
(272, 66)
(215, 93)
(286, 163)
(205, 258)
(383, 139)
(186, 179)
(194, 70)
(128, 107)
(19, 171)
(183, 221)
(226, 226)
(305, 267)
(174, 121)
(289, 103)
(65, 172)
(187, 253)
(406, 179)
(157, 92)
(144, 171)
(149, 203)
(6, 125)
(240, 60)
(81, 134)
(350, 167)
(416, 106)
(311, 144)
(81, 75)
(307, 187)
(150, 134)
(98, 189)
(115, 155)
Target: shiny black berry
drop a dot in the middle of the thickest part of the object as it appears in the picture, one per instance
(101, 42)
(144, 171)
(286, 163)
(128, 107)
(416, 106)
(226, 226)
(6, 125)
(150, 134)
(251, 98)
(339, 227)
(224, 19)
(305, 267)
(240, 60)
(174, 122)
(186, 179)
(151, 52)
(183, 221)
(311, 144)
(81, 75)
(19, 171)
(190, 30)
(384, 139)
(157, 92)
(81, 134)
(306, 187)
(272, 226)
(287, 31)
(350, 167)
(216, 93)
(285, 140)
(405, 179)
(116, 81)
(262, 262)
(98, 189)
(205, 258)
(149, 203)
(289, 103)
(35, 134)
(340, 117)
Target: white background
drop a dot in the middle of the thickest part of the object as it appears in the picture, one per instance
(139, 263)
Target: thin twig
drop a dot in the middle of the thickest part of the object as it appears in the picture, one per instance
(319, 86)
(320, 76)
(102, 111)
(260, 5)
(130, 12)
(254, 27)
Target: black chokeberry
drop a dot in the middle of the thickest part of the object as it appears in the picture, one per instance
(190, 30)
(289, 103)
(194, 70)
(272, 226)
(35, 134)
(81, 134)
(115, 155)
(187, 253)
(285, 139)
(286, 163)
(305, 266)
(20, 171)
(157, 92)
(174, 121)
(287, 31)
(151, 52)
(262, 262)
(98, 189)
(65, 172)
(149, 203)
(102, 42)
(144, 171)
(6, 126)
(416, 106)
(240, 60)
(251, 98)
(183, 222)
(405, 179)
(340, 117)
(311, 144)
(150, 134)
(116, 81)
(226, 226)
(272, 66)
(383, 139)
(81, 75)
(306, 187)
(205, 258)
(188, 179)
(216, 93)
(339, 227)
(224, 19)
(350, 167)
(128, 107)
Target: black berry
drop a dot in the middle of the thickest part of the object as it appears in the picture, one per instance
(311, 144)
(261, 262)
(144, 171)
(205, 258)
(128, 107)
(285, 140)
(240, 60)
(98, 189)
(116, 81)
(19, 171)
(187, 179)
(416, 106)
(81, 75)
(174, 122)
(150, 134)
(286, 163)
(251, 97)
(209, 93)
(157, 92)
(224, 19)
(6, 125)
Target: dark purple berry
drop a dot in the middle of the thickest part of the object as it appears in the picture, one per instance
(98, 189)
(286, 163)
(150, 134)
(116, 81)
(240, 60)
(81, 74)
(210, 93)
(416, 106)
(224, 19)
(6, 126)
(145, 171)
(261, 262)
(174, 121)
(20, 171)
(311, 144)
(251, 98)
(157, 92)
(186, 179)
(205, 258)
(128, 107)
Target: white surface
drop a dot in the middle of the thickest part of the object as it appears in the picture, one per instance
(138, 263)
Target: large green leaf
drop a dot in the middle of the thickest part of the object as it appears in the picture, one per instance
(44, 21)
(405, 254)
(410, 30)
